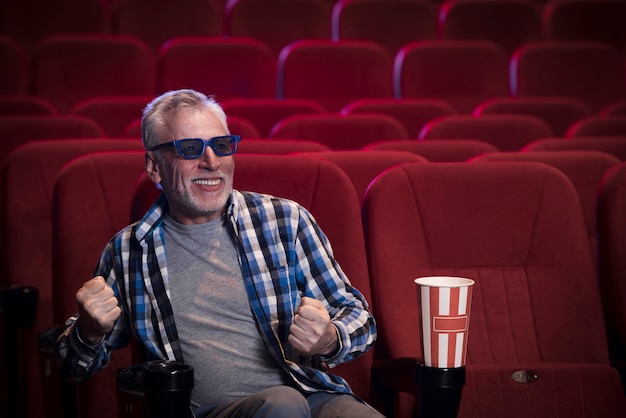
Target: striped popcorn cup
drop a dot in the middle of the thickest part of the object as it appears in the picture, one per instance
(444, 306)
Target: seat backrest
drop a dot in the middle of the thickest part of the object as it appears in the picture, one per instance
(516, 229)
(326, 191)
(558, 112)
(97, 189)
(28, 176)
(333, 73)
(340, 132)
(277, 22)
(598, 125)
(464, 73)
(507, 132)
(14, 70)
(157, 21)
(612, 256)
(371, 20)
(265, 113)
(22, 105)
(247, 67)
(614, 145)
(278, 146)
(448, 150)
(615, 108)
(413, 113)
(113, 113)
(584, 169)
(586, 20)
(509, 24)
(363, 167)
(588, 71)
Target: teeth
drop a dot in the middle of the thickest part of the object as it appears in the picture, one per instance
(207, 182)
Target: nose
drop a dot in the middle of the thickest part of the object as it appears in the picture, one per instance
(209, 159)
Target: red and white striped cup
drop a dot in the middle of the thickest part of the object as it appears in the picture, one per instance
(444, 304)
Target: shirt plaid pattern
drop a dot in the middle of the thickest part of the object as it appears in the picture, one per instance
(283, 255)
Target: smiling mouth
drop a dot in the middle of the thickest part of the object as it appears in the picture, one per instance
(207, 182)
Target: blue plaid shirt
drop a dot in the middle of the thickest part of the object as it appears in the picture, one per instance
(283, 255)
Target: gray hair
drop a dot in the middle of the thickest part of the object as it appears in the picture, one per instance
(159, 112)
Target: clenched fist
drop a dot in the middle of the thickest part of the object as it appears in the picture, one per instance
(311, 332)
(98, 310)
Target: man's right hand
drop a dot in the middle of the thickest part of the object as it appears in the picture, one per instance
(98, 310)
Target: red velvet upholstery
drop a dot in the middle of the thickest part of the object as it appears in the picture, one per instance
(265, 113)
(14, 69)
(22, 105)
(613, 125)
(334, 73)
(113, 114)
(69, 68)
(241, 126)
(603, 21)
(558, 112)
(278, 146)
(464, 73)
(509, 24)
(17, 130)
(612, 251)
(614, 145)
(507, 132)
(91, 202)
(616, 108)
(157, 21)
(325, 190)
(340, 132)
(363, 167)
(591, 72)
(372, 20)
(434, 150)
(583, 168)
(278, 22)
(224, 67)
(518, 231)
(413, 113)
(29, 174)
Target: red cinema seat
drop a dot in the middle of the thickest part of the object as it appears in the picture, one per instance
(277, 23)
(586, 20)
(113, 113)
(278, 146)
(247, 67)
(66, 69)
(14, 69)
(340, 132)
(612, 252)
(598, 125)
(518, 231)
(23, 105)
(333, 73)
(413, 113)
(464, 73)
(264, 113)
(363, 167)
(558, 112)
(326, 191)
(29, 175)
(157, 21)
(587, 71)
(435, 150)
(97, 189)
(614, 145)
(509, 24)
(507, 132)
(584, 169)
(616, 108)
(372, 20)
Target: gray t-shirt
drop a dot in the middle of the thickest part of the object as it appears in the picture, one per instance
(215, 324)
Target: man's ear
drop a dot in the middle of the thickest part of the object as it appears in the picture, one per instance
(152, 168)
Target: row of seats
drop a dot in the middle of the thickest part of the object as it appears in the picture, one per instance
(509, 23)
(68, 69)
(528, 234)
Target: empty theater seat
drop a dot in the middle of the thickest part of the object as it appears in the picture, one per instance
(112, 113)
(340, 132)
(464, 73)
(517, 230)
(614, 145)
(507, 132)
(611, 125)
(14, 69)
(435, 150)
